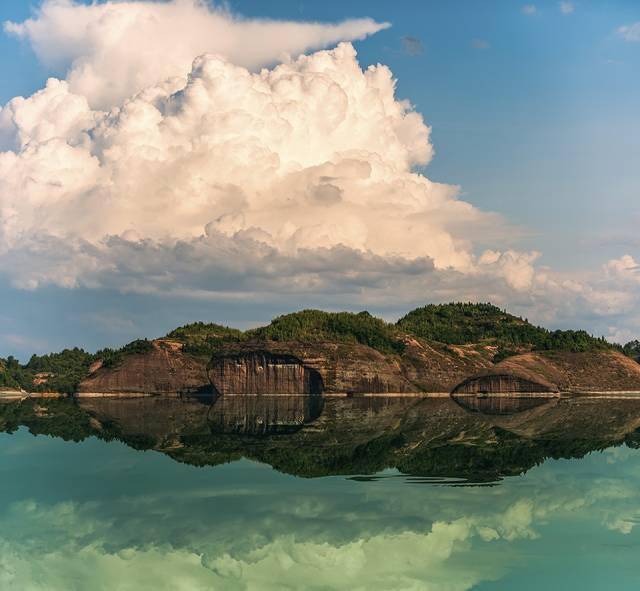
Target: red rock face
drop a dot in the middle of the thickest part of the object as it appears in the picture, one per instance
(341, 367)
(262, 372)
(297, 369)
(595, 371)
(162, 370)
(501, 384)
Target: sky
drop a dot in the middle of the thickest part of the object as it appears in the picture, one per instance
(185, 163)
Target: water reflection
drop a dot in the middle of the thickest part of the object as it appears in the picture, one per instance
(101, 515)
(476, 439)
(263, 415)
(502, 405)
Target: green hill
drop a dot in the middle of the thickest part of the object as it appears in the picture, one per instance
(316, 325)
(464, 323)
(203, 338)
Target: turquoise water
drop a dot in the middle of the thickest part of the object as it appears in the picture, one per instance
(100, 515)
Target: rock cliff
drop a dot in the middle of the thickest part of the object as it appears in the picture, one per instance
(165, 369)
(569, 372)
(261, 372)
(295, 368)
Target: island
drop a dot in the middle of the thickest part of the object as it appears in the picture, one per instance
(439, 350)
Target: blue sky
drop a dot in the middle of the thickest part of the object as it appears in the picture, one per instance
(535, 116)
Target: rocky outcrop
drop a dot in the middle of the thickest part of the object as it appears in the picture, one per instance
(436, 367)
(341, 367)
(548, 372)
(262, 372)
(579, 373)
(504, 383)
(163, 370)
(294, 368)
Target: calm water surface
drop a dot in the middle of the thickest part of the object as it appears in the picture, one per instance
(99, 514)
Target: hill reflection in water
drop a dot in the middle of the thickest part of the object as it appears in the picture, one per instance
(388, 494)
(473, 439)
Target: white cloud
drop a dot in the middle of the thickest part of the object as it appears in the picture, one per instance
(630, 33)
(529, 9)
(313, 154)
(566, 7)
(115, 49)
(213, 180)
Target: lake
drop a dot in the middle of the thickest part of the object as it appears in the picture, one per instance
(280, 493)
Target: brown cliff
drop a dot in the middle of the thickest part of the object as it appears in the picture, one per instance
(296, 368)
(260, 372)
(165, 369)
(587, 372)
(339, 367)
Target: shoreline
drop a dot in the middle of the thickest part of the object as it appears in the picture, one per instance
(16, 395)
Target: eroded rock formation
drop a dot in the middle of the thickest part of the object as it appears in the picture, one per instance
(296, 368)
(341, 367)
(262, 372)
(503, 383)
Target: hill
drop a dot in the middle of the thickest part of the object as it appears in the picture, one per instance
(431, 349)
(343, 327)
(464, 323)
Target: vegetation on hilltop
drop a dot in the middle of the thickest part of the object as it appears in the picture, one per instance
(204, 338)
(201, 338)
(464, 323)
(347, 327)
(112, 357)
(6, 377)
(632, 349)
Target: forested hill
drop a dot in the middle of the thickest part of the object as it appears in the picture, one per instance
(464, 323)
(454, 324)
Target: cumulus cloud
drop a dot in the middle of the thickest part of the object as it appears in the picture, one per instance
(630, 33)
(230, 168)
(115, 49)
(166, 162)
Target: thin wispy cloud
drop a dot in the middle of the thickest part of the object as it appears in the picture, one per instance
(412, 45)
(529, 9)
(567, 7)
(630, 33)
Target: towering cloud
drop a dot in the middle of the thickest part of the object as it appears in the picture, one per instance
(166, 161)
(313, 154)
